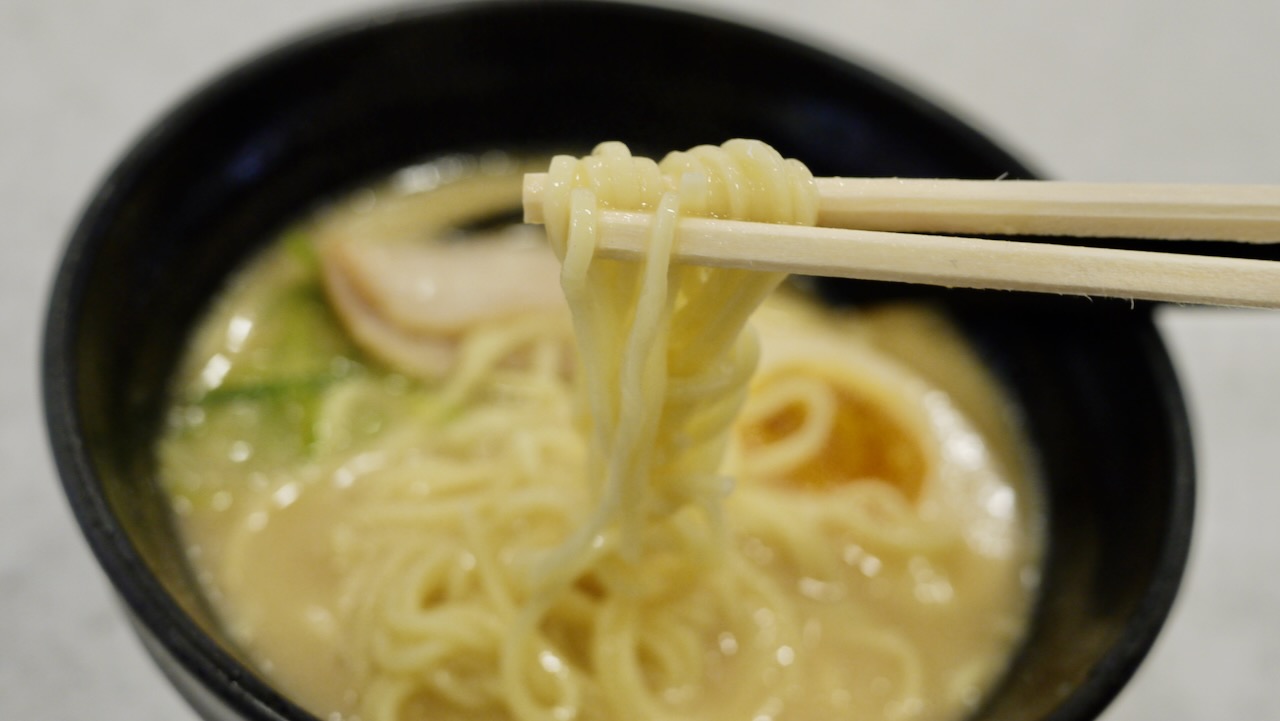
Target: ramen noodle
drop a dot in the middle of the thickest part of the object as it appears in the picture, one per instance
(420, 482)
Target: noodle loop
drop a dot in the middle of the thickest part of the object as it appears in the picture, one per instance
(643, 530)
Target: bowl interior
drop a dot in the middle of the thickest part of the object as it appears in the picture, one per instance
(229, 167)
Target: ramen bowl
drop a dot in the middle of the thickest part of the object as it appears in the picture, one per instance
(229, 167)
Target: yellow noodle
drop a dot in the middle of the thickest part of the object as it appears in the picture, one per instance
(532, 544)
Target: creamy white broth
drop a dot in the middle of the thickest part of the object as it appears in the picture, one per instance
(283, 425)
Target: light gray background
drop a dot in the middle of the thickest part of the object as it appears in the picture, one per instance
(1133, 90)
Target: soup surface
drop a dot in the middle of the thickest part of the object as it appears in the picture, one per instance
(380, 410)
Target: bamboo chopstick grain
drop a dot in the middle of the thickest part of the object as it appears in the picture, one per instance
(862, 217)
(954, 262)
(1246, 213)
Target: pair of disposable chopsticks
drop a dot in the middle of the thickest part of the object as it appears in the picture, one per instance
(897, 230)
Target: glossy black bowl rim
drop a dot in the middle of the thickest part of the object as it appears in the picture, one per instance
(163, 620)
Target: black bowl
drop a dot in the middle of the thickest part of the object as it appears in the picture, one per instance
(226, 169)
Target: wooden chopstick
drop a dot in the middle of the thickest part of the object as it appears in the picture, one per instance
(953, 261)
(1247, 213)
(1030, 207)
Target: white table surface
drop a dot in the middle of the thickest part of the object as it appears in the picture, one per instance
(1155, 90)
